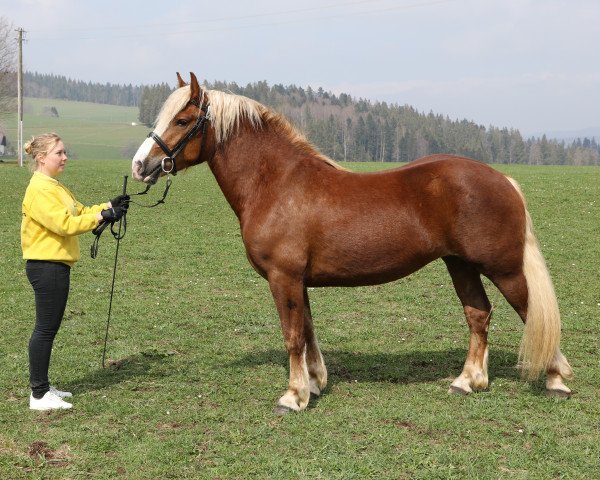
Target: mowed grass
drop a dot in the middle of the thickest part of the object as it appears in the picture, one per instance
(91, 131)
(197, 360)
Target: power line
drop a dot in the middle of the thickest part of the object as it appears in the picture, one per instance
(221, 19)
(245, 17)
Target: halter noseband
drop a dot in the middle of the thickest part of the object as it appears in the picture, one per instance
(200, 124)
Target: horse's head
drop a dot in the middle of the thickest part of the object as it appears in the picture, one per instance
(179, 139)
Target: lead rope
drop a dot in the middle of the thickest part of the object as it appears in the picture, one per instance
(118, 236)
(112, 288)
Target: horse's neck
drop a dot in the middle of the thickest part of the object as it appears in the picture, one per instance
(245, 170)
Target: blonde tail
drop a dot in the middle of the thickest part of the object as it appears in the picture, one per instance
(540, 346)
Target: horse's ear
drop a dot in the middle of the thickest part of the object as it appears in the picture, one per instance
(180, 81)
(195, 88)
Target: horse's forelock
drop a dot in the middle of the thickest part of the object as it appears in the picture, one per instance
(174, 104)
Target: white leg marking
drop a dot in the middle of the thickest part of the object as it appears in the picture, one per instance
(317, 371)
(298, 394)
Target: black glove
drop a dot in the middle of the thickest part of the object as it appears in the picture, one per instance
(121, 201)
(113, 214)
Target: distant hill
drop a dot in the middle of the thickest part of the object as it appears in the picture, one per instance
(347, 128)
(573, 135)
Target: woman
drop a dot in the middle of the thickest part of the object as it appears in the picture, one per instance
(52, 221)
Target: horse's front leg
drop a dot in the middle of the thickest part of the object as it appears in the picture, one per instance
(288, 293)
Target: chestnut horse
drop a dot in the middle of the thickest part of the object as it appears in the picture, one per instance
(307, 222)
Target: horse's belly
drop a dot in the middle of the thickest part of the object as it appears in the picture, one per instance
(365, 268)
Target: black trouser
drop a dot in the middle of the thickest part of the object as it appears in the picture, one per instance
(50, 282)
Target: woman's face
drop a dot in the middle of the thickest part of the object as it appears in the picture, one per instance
(53, 163)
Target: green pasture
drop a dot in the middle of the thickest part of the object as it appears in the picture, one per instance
(91, 131)
(197, 360)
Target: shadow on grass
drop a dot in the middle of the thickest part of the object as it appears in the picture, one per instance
(137, 366)
(402, 368)
(409, 367)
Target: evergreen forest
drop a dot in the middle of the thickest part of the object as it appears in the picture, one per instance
(347, 128)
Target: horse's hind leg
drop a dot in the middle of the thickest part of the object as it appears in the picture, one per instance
(557, 370)
(478, 312)
(515, 290)
(317, 372)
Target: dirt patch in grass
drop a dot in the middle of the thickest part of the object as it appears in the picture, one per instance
(41, 451)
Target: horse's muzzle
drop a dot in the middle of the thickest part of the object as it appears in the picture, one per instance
(143, 174)
(137, 170)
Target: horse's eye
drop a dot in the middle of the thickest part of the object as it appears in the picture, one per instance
(181, 122)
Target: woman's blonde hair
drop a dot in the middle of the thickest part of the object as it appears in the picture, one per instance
(40, 145)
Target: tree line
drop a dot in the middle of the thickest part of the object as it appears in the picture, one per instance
(346, 128)
(57, 86)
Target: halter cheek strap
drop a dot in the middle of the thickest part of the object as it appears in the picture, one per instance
(170, 154)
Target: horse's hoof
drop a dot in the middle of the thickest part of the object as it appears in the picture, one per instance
(281, 410)
(558, 394)
(457, 390)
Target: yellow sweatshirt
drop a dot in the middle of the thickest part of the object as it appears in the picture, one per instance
(52, 221)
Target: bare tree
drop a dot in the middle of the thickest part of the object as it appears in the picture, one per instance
(8, 68)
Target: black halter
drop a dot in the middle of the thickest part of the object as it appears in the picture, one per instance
(168, 164)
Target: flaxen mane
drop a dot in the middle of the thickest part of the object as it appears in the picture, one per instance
(228, 110)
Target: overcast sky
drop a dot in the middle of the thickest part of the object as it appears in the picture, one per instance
(533, 65)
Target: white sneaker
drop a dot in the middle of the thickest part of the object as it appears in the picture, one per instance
(50, 401)
(59, 393)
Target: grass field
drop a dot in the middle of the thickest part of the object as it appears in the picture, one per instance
(91, 131)
(198, 362)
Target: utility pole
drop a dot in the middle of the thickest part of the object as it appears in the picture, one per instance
(20, 98)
